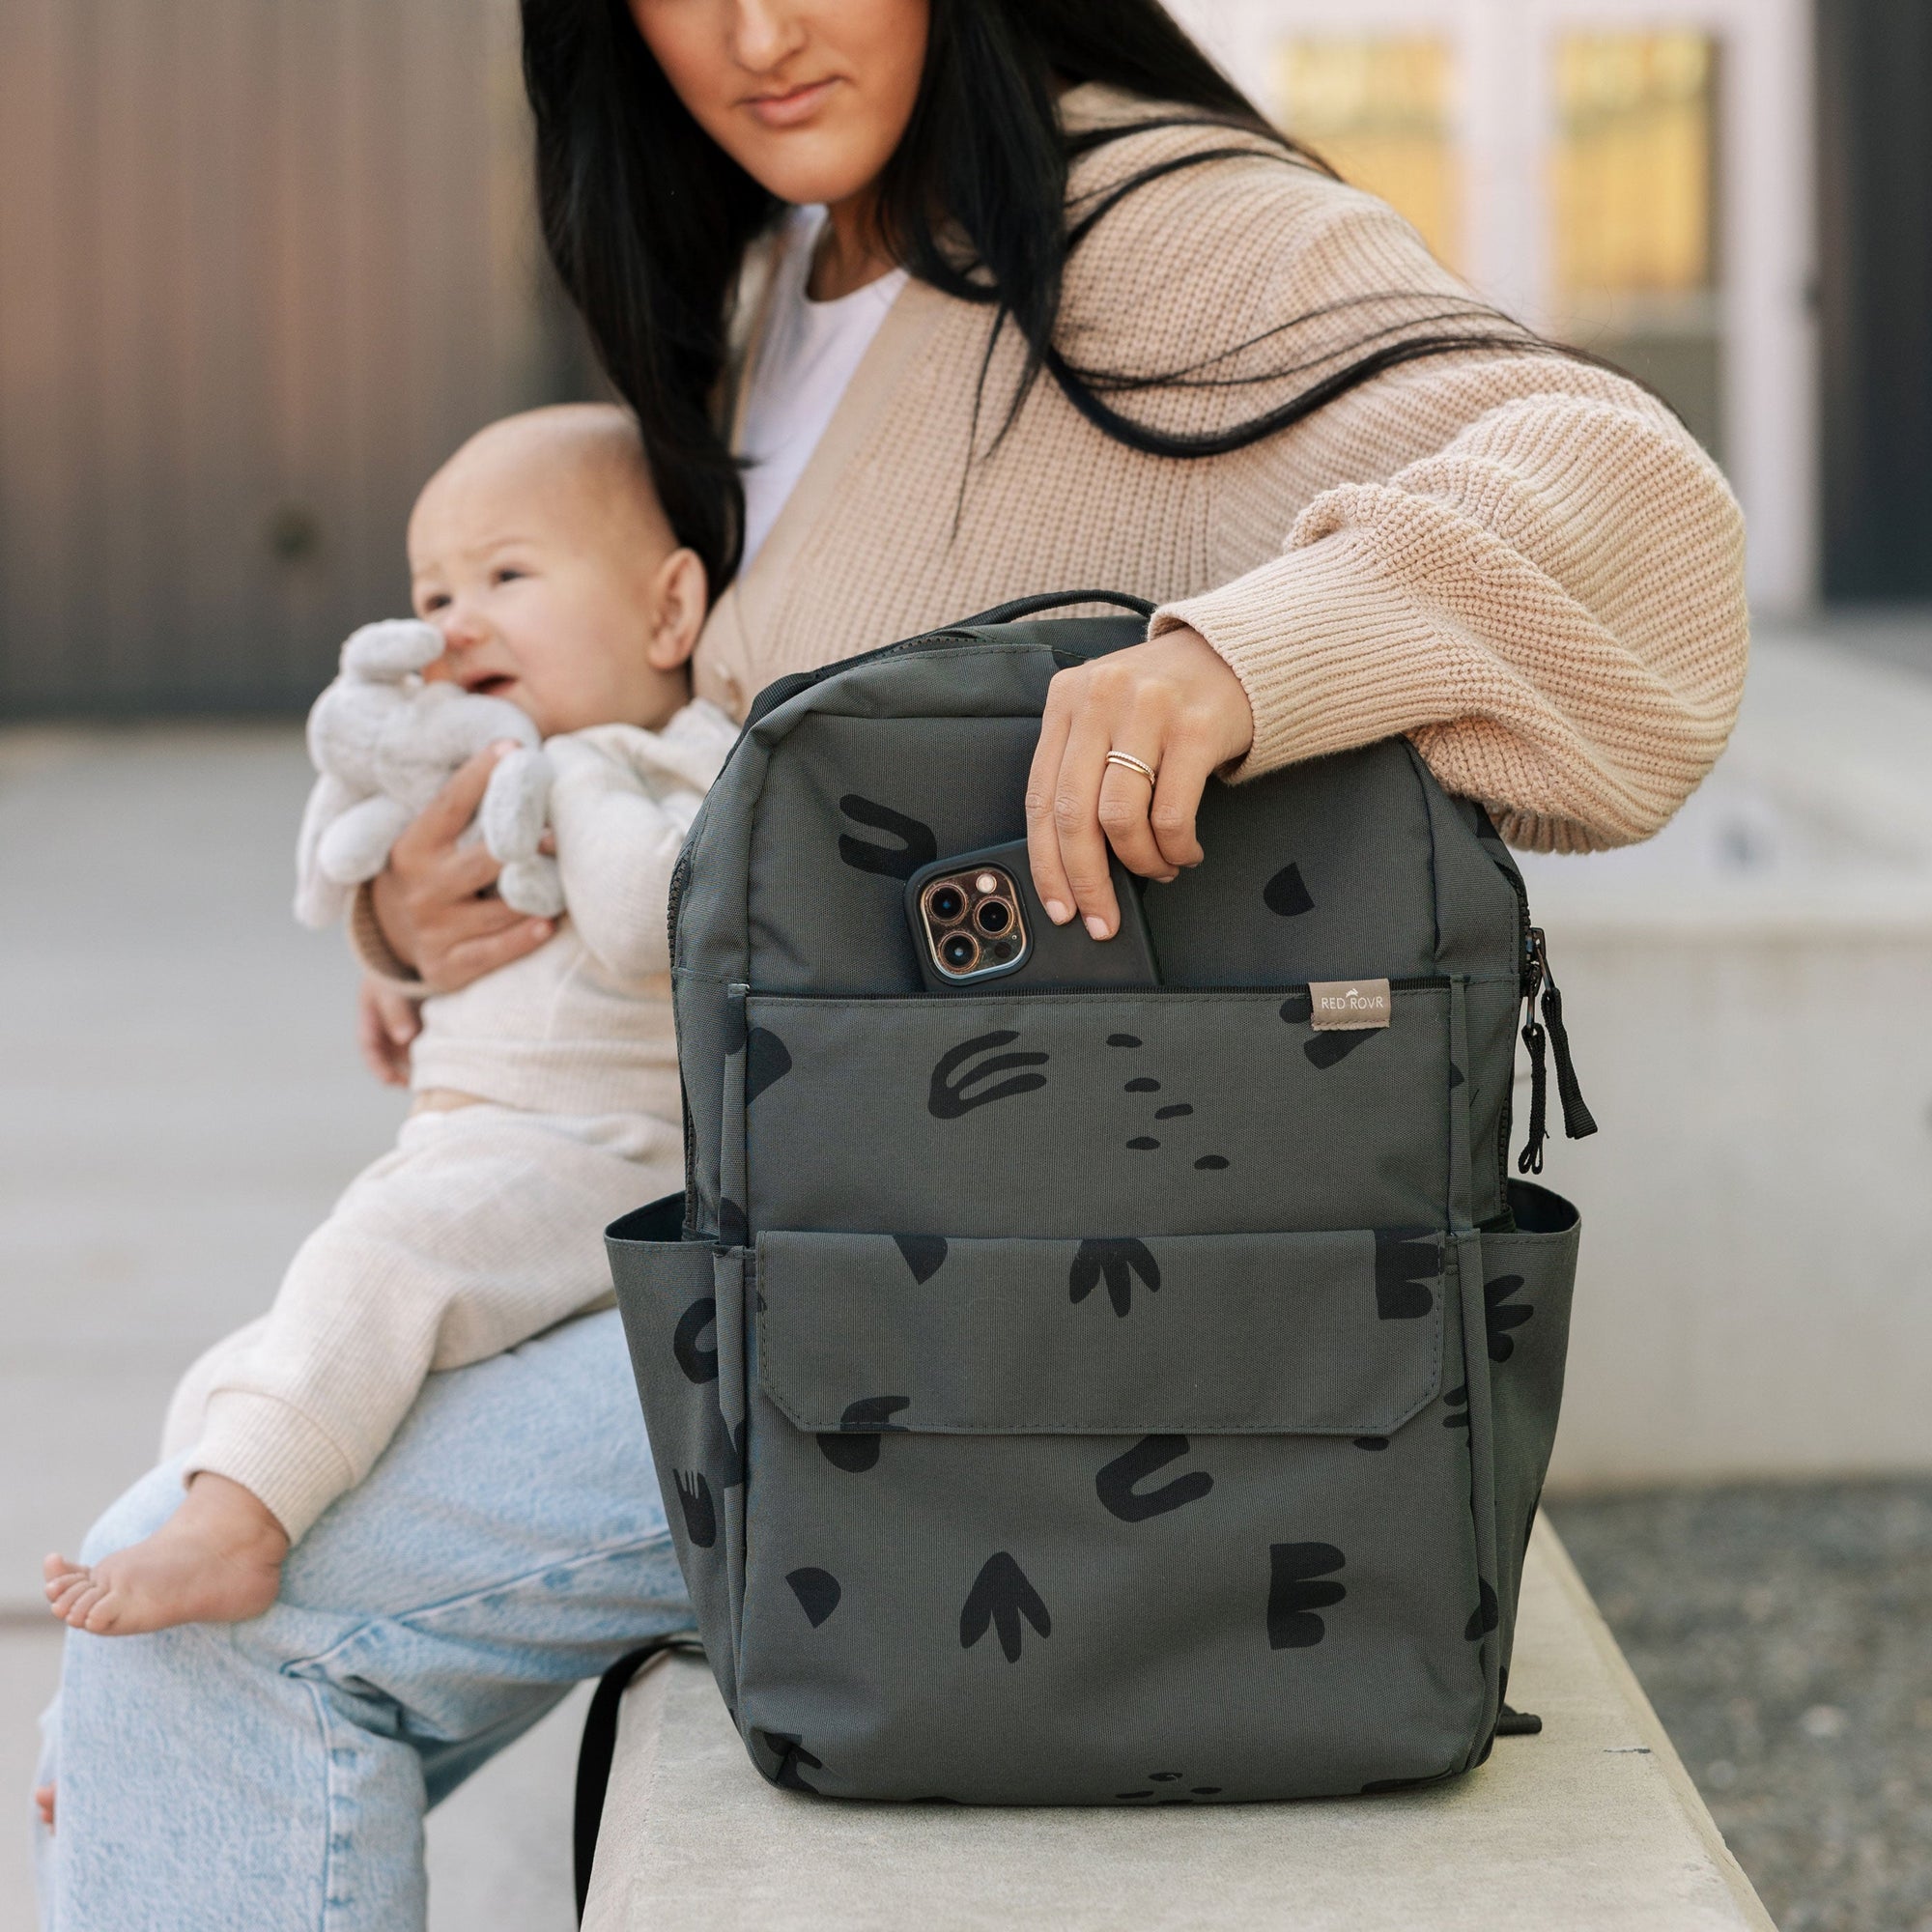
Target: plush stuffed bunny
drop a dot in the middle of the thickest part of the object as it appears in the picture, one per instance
(385, 742)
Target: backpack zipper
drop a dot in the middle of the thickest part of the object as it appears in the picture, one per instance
(1578, 1120)
(1431, 982)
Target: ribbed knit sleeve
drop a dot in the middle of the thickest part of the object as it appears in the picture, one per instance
(1538, 577)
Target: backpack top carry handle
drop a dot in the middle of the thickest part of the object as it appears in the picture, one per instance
(1054, 600)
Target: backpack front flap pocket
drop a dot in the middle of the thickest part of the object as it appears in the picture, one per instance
(1107, 1518)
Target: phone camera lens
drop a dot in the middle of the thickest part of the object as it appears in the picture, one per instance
(994, 915)
(948, 903)
(1003, 949)
(960, 952)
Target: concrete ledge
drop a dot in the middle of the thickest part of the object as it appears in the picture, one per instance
(1592, 1824)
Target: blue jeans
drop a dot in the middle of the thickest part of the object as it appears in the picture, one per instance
(273, 1775)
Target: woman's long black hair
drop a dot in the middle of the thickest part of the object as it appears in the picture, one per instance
(647, 220)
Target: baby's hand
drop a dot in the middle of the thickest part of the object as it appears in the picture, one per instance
(386, 1023)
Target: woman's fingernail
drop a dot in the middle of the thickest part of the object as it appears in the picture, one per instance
(1165, 878)
(1097, 925)
(501, 747)
(1056, 911)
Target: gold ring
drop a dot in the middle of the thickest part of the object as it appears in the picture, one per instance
(1128, 762)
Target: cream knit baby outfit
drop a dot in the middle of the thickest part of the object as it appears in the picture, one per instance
(484, 1225)
(1524, 563)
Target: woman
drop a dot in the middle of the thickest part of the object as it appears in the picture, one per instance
(1074, 316)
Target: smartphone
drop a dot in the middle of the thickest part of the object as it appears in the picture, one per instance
(978, 923)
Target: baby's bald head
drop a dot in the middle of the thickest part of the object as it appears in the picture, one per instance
(542, 553)
(581, 460)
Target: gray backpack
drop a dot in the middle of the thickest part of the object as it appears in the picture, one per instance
(1112, 1397)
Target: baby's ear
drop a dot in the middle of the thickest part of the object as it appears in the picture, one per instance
(678, 599)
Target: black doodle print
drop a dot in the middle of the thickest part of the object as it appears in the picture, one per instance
(1143, 1086)
(1295, 1592)
(1299, 1008)
(1123, 1040)
(1406, 1264)
(1285, 895)
(700, 1513)
(948, 1099)
(1487, 1615)
(728, 1450)
(818, 1592)
(1179, 1111)
(1212, 1163)
(1372, 1443)
(1117, 1262)
(1455, 1078)
(1117, 1482)
(925, 1254)
(854, 1454)
(734, 1231)
(699, 1365)
(999, 1597)
(1143, 1144)
(855, 1449)
(790, 1753)
(1456, 1401)
(766, 1061)
(1169, 1798)
(917, 844)
(1329, 1049)
(1501, 1317)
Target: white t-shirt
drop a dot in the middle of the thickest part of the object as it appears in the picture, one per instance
(807, 358)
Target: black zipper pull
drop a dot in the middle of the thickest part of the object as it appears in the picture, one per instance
(1530, 1160)
(1578, 1122)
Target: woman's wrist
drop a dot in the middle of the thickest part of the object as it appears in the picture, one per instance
(388, 919)
(374, 950)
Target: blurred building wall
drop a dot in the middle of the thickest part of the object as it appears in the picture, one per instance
(1636, 176)
(263, 264)
(1875, 232)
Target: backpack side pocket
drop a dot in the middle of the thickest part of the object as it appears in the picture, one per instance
(683, 1311)
(1525, 1290)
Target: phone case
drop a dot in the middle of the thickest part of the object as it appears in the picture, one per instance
(1064, 957)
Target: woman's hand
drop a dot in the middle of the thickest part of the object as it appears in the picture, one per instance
(386, 1022)
(1173, 704)
(429, 900)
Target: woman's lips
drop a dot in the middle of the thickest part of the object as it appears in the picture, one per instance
(787, 110)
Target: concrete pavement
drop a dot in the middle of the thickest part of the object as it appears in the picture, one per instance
(180, 1101)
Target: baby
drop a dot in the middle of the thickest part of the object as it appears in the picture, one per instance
(546, 1092)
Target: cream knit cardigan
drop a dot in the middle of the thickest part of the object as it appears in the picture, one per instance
(1525, 564)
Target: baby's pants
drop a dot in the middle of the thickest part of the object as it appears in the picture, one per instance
(482, 1227)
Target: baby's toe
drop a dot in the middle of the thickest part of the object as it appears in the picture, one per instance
(77, 1606)
(101, 1613)
(63, 1589)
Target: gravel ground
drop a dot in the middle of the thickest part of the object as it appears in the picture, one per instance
(1784, 1635)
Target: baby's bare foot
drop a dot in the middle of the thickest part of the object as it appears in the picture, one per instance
(217, 1560)
(44, 1804)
